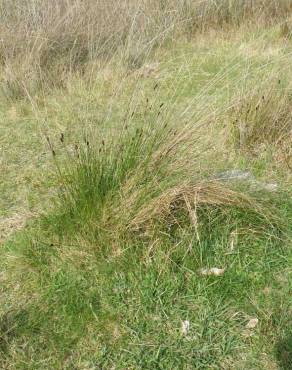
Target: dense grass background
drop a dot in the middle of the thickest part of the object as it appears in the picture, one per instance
(115, 132)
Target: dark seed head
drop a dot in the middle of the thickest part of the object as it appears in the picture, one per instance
(155, 86)
(62, 138)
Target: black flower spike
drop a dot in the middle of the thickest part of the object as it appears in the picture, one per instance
(76, 150)
(86, 142)
(62, 138)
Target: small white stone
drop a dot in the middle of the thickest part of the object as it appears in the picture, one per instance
(215, 271)
(185, 327)
(252, 323)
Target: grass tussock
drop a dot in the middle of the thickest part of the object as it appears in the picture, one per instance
(262, 120)
(140, 181)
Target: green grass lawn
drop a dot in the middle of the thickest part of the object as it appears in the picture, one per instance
(109, 211)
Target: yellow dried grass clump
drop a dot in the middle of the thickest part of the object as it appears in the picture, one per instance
(189, 197)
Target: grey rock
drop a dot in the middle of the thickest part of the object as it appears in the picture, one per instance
(247, 177)
(259, 185)
(235, 175)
